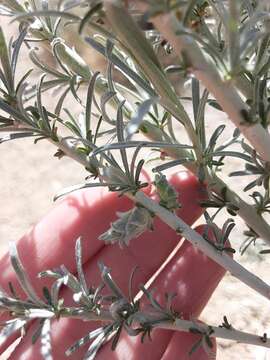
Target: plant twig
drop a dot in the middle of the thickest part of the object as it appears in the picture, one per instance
(247, 212)
(224, 92)
(198, 241)
(218, 332)
(132, 38)
(180, 325)
(191, 235)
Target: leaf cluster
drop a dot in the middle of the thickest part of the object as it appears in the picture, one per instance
(106, 302)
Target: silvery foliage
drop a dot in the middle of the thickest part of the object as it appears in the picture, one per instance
(90, 303)
(234, 38)
(167, 194)
(130, 225)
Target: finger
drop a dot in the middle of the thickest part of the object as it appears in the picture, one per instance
(193, 277)
(122, 263)
(85, 213)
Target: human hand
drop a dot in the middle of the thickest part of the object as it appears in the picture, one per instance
(87, 214)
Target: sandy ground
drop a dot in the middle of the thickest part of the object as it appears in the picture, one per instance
(30, 176)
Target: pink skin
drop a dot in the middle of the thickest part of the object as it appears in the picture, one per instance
(87, 214)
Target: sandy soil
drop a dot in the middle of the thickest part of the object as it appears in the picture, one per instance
(30, 176)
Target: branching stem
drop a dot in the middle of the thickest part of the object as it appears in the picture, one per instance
(223, 91)
(247, 212)
(191, 235)
(177, 325)
(198, 241)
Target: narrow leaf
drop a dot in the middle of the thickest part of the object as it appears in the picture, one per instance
(92, 11)
(16, 49)
(123, 67)
(22, 276)
(90, 94)
(79, 264)
(70, 189)
(14, 136)
(5, 61)
(93, 334)
(136, 121)
(10, 328)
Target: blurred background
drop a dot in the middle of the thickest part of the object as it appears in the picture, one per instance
(31, 176)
